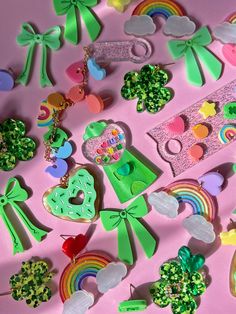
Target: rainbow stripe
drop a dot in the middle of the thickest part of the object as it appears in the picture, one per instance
(227, 133)
(86, 265)
(190, 192)
(45, 118)
(164, 8)
(232, 18)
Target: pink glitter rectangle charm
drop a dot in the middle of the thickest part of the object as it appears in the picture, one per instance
(181, 161)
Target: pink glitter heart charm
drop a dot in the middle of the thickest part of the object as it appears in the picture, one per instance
(176, 126)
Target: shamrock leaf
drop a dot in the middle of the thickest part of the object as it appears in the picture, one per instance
(148, 86)
(30, 283)
(190, 263)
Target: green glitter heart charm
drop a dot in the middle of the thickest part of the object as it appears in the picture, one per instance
(148, 86)
(63, 201)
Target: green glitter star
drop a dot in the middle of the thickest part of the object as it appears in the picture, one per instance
(147, 86)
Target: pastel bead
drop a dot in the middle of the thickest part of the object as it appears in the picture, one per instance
(200, 131)
(75, 72)
(196, 152)
(6, 81)
(76, 94)
(95, 103)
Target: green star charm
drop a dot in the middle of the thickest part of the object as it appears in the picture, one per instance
(148, 86)
(180, 283)
(14, 145)
(30, 283)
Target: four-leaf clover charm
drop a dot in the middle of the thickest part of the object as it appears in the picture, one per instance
(148, 86)
(30, 283)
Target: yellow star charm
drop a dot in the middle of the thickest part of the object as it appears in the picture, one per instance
(119, 5)
(207, 109)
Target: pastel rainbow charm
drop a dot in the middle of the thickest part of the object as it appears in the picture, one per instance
(86, 265)
(199, 224)
(45, 118)
(190, 192)
(227, 133)
(232, 18)
(164, 8)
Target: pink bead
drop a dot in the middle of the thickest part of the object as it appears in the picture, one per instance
(75, 72)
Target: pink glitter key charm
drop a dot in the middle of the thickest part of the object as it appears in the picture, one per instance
(109, 51)
(222, 131)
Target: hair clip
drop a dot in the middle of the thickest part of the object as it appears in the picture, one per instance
(196, 45)
(148, 86)
(31, 283)
(119, 219)
(132, 305)
(28, 37)
(180, 283)
(14, 144)
(200, 195)
(122, 50)
(14, 193)
(91, 22)
(105, 145)
(7, 80)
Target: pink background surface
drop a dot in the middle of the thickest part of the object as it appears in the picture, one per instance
(23, 103)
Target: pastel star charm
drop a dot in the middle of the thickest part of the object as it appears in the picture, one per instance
(118, 5)
(207, 110)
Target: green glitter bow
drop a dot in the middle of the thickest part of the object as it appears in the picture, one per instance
(69, 8)
(180, 283)
(147, 86)
(30, 283)
(196, 46)
(13, 144)
(113, 219)
(14, 193)
(49, 39)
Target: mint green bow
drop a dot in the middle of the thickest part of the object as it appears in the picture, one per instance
(15, 193)
(190, 47)
(28, 37)
(69, 8)
(114, 219)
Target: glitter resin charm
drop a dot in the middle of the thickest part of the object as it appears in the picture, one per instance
(14, 144)
(180, 283)
(148, 86)
(105, 145)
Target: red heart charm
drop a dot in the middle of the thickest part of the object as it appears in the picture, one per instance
(229, 52)
(176, 126)
(73, 246)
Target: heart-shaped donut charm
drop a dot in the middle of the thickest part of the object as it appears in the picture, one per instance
(63, 202)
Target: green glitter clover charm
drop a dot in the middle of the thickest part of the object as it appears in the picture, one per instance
(180, 285)
(148, 86)
(30, 283)
(14, 145)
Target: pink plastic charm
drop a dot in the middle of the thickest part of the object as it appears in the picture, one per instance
(75, 72)
(229, 52)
